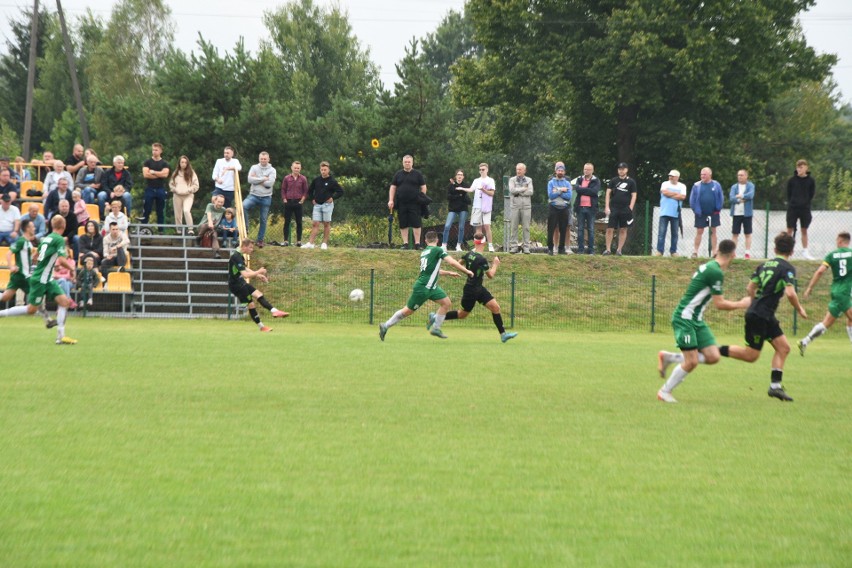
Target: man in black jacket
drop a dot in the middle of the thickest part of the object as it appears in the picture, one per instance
(322, 192)
(587, 187)
(800, 193)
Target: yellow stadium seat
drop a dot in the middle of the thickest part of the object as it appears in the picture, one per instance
(119, 282)
(127, 264)
(31, 184)
(81, 230)
(4, 278)
(25, 207)
(94, 212)
(3, 252)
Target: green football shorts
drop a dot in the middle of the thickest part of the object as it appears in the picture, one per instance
(39, 291)
(419, 295)
(692, 334)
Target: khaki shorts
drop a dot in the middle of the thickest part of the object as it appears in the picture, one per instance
(477, 217)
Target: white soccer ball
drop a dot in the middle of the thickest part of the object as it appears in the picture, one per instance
(356, 295)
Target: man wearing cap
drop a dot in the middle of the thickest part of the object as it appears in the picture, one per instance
(520, 197)
(672, 193)
(620, 199)
(587, 187)
(10, 221)
(706, 200)
(559, 210)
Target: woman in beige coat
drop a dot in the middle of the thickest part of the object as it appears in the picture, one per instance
(184, 184)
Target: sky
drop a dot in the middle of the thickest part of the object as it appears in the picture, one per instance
(386, 26)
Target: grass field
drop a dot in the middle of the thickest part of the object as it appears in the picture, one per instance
(206, 443)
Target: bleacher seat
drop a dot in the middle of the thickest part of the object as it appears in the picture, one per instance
(31, 184)
(4, 278)
(3, 252)
(81, 230)
(94, 212)
(119, 282)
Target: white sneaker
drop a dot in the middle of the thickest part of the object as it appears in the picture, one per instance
(308, 246)
(324, 246)
(665, 396)
(458, 248)
(490, 247)
(807, 255)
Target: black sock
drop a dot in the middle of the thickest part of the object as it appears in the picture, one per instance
(264, 302)
(723, 351)
(776, 376)
(253, 313)
(498, 321)
(452, 315)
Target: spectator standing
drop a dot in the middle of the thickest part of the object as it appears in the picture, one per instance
(520, 198)
(405, 190)
(457, 202)
(706, 200)
(801, 189)
(62, 191)
(261, 178)
(742, 209)
(115, 249)
(51, 178)
(483, 189)
(10, 221)
(672, 194)
(89, 179)
(92, 243)
(294, 191)
(79, 207)
(88, 279)
(559, 209)
(115, 177)
(116, 215)
(619, 203)
(224, 172)
(209, 225)
(76, 160)
(588, 187)
(155, 170)
(7, 186)
(37, 219)
(184, 184)
(323, 191)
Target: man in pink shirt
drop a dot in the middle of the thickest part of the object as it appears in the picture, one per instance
(294, 190)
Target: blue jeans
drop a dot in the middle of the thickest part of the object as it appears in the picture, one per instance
(102, 202)
(452, 217)
(586, 220)
(662, 228)
(89, 194)
(265, 202)
(154, 196)
(228, 195)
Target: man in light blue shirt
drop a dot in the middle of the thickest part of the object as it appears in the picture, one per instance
(559, 209)
(742, 210)
(706, 201)
(672, 192)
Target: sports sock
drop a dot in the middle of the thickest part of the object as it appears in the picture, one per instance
(673, 357)
(12, 312)
(395, 319)
(43, 312)
(776, 378)
(498, 321)
(677, 376)
(254, 316)
(265, 303)
(439, 321)
(452, 314)
(724, 351)
(60, 319)
(817, 330)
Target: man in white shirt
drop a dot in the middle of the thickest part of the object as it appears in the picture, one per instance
(672, 193)
(223, 175)
(483, 189)
(10, 221)
(742, 210)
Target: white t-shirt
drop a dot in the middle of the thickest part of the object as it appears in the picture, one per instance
(481, 200)
(739, 206)
(8, 218)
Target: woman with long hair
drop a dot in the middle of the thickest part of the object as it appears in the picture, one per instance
(91, 243)
(184, 184)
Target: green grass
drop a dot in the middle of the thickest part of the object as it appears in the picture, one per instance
(206, 443)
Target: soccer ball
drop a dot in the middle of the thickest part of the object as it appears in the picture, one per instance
(356, 295)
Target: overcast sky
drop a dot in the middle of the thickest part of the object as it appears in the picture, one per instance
(386, 26)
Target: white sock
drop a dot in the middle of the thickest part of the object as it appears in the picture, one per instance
(14, 311)
(673, 357)
(849, 331)
(439, 321)
(43, 312)
(395, 319)
(60, 319)
(701, 358)
(817, 330)
(775, 385)
(677, 376)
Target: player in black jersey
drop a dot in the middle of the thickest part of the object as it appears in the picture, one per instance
(474, 291)
(771, 280)
(245, 292)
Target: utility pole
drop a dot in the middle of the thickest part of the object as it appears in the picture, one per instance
(72, 68)
(28, 113)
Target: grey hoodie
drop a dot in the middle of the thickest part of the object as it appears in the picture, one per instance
(259, 187)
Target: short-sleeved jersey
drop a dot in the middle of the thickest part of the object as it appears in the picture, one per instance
(771, 277)
(477, 264)
(840, 262)
(236, 265)
(51, 248)
(620, 192)
(23, 251)
(706, 282)
(430, 266)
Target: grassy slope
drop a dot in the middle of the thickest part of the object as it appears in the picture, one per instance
(318, 445)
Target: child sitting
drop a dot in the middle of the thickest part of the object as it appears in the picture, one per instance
(88, 279)
(64, 278)
(79, 208)
(228, 229)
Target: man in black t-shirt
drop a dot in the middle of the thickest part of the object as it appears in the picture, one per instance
(76, 160)
(620, 199)
(404, 196)
(475, 292)
(238, 272)
(155, 170)
(769, 282)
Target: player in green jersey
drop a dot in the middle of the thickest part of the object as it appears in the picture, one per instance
(51, 251)
(772, 280)
(426, 287)
(840, 263)
(21, 252)
(693, 336)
